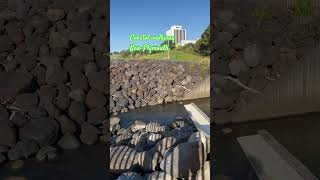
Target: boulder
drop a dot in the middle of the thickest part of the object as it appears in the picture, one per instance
(88, 128)
(56, 39)
(165, 144)
(159, 175)
(124, 131)
(8, 134)
(123, 158)
(7, 44)
(139, 139)
(62, 100)
(69, 141)
(78, 95)
(88, 138)
(18, 119)
(97, 115)
(49, 60)
(77, 112)
(137, 126)
(130, 176)
(204, 172)
(98, 81)
(83, 36)
(26, 101)
(23, 149)
(154, 138)
(44, 152)
(42, 130)
(236, 66)
(200, 137)
(66, 124)
(95, 99)
(114, 121)
(149, 160)
(123, 139)
(12, 83)
(185, 160)
(4, 149)
(78, 81)
(252, 55)
(83, 52)
(55, 14)
(55, 75)
(154, 127)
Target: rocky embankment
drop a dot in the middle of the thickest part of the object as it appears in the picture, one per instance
(250, 50)
(153, 151)
(136, 84)
(53, 85)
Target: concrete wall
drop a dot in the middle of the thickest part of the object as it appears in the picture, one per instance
(201, 91)
(296, 92)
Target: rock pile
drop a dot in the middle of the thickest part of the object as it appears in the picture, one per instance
(53, 85)
(249, 52)
(169, 152)
(139, 83)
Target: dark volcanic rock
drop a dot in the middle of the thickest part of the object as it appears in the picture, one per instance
(123, 158)
(79, 81)
(26, 101)
(62, 100)
(42, 130)
(95, 99)
(78, 95)
(8, 135)
(77, 112)
(6, 44)
(83, 52)
(98, 80)
(56, 14)
(66, 124)
(88, 138)
(73, 65)
(4, 116)
(69, 141)
(45, 152)
(18, 119)
(39, 73)
(149, 160)
(27, 61)
(56, 75)
(59, 51)
(47, 94)
(157, 175)
(96, 116)
(80, 36)
(57, 39)
(130, 176)
(88, 128)
(90, 67)
(50, 60)
(12, 83)
(165, 144)
(23, 149)
(185, 160)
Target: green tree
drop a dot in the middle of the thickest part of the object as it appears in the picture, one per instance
(202, 46)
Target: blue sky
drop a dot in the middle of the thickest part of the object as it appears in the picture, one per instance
(155, 17)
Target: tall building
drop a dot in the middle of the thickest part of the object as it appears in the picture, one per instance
(179, 32)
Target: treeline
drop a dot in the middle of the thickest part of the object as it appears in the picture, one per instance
(201, 47)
